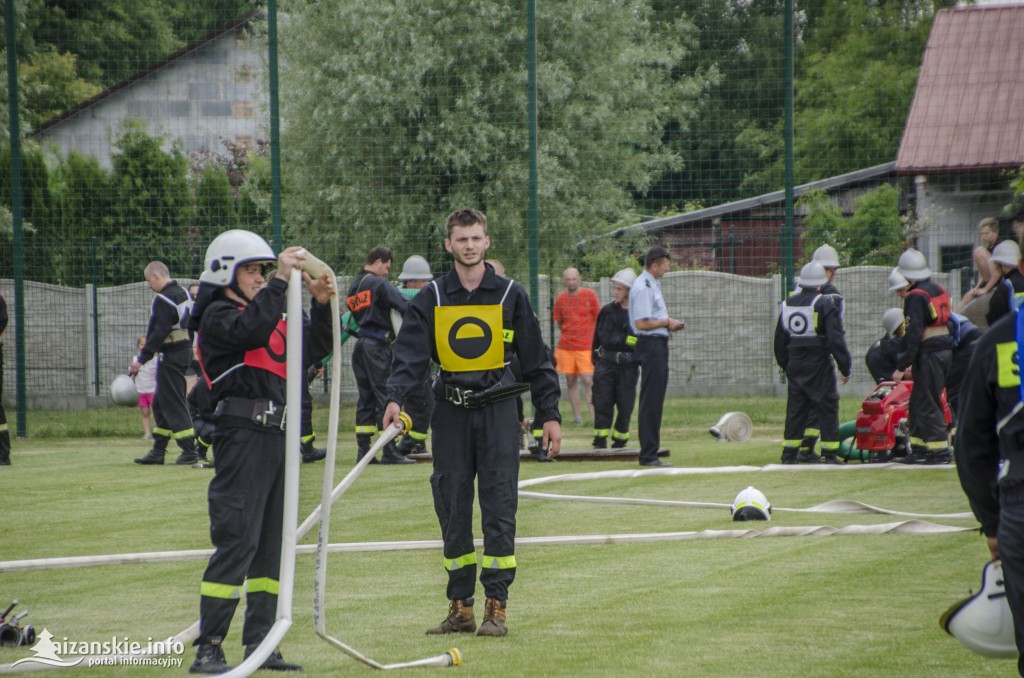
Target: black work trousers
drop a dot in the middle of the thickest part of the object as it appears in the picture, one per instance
(926, 419)
(652, 353)
(961, 360)
(419, 405)
(614, 396)
(371, 365)
(812, 397)
(246, 503)
(170, 410)
(1011, 551)
(481, 444)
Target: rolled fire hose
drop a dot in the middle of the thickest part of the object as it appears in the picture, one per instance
(733, 427)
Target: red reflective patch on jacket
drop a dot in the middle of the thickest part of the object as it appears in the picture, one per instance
(938, 305)
(359, 301)
(274, 356)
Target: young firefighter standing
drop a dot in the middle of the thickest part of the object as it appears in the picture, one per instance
(808, 336)
(242, 353)
(928, 348)
(471, 321)
(166, 336)
(371, 299)
(615, 367)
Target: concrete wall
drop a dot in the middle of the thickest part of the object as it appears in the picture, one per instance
(78, 339)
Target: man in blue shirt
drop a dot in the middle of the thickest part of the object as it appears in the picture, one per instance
(648, 317)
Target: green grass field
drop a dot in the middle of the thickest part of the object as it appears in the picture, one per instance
(786, 606)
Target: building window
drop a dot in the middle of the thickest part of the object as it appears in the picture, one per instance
(241, 109)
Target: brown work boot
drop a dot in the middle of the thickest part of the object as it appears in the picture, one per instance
(460, 619)
(494, 619)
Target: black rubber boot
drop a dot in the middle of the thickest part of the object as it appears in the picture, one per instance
(600, 442)
(209, 659)
(363, 445)
(152, 458)
(275, 662)
(391, 455)
(311, 454)
(5, 448)
(411, 446)
(619, 443)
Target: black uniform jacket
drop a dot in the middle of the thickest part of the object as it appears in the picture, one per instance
(370, 299)
(984, 440)
(1000, 303)
(227, 332)
(162, 320)
(612, 330)
(829, 334)
(918, 314)
(416, 344)
(881, 358)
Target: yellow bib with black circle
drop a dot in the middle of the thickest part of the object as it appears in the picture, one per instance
(469, 338)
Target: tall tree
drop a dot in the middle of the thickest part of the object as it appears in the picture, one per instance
(399, 112)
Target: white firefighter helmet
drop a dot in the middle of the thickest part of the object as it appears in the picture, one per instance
(892, 319)
(231, 249)
(982, 622)
(415, 268)
(827, 256)
(812, 275)
(626, 277)
(1006, 253)
(123, 391)
(913, 266)
(897, 281)
(751, 504)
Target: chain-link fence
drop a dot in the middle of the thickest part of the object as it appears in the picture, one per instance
(739, 134)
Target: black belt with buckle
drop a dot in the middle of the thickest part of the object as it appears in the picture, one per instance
(473, 400)
(617, 357)
(261, 412)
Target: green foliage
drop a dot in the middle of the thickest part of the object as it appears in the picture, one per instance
(215, 204)
(404, 111)
(36, 202)
(153, 207)
(854, 84)
(604, 256)
(872, 235)
(83, 214)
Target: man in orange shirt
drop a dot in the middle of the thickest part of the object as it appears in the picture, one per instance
(575, 311)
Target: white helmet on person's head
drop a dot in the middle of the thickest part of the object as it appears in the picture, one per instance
(913, 266)
(231, 249)
(827, 256)
(626, 277)
(982, 622)
(415, 268)
(812, 275)
(897, 281)
(892, 319)
(1006, 253)
(751, 504)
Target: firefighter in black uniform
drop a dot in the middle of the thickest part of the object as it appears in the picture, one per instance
(990, 456)
(881, 356)
(964, 336)
(371, 299)
(471, 321)
(5, 433)
(419, 405)
(926, 347)
(1006, 256)
(828, 257)
(241, 348)
(808, 336)
(200, 408)
(167, 337)
(616, 369)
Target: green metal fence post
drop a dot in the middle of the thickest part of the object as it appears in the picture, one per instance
(17, 215)
(275, 126)
(533, 209)
(787, 232)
